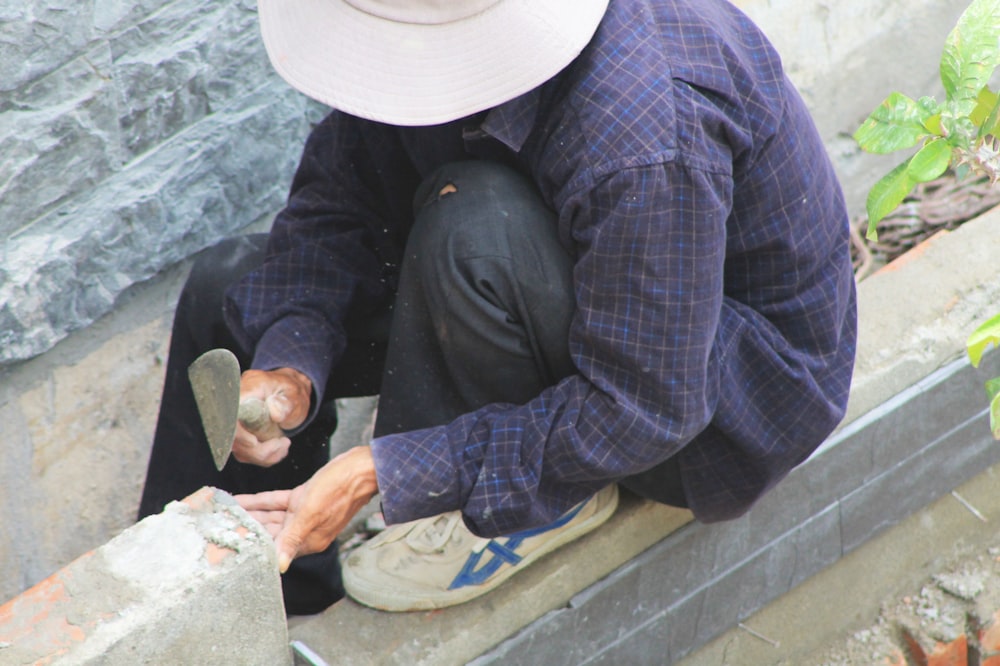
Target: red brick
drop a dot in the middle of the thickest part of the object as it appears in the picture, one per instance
(913, 254)
(989, 638)
(36, 620)
(955, 653)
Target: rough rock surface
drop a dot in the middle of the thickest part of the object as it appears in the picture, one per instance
(133, 135)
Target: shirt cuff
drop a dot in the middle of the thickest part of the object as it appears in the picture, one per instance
(416, 475)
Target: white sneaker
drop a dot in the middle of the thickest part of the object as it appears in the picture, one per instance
(437, 562)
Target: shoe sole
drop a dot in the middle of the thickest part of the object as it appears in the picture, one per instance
(365, 593)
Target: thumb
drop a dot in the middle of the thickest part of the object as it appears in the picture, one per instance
(287, 544)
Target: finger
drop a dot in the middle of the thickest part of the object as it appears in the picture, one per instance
(276, 450)
(287, 543)
(271, 521)
(271, 500)
(268, 517)
(244, 444)
(263, 453)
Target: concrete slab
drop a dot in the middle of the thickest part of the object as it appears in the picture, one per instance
(197, 584)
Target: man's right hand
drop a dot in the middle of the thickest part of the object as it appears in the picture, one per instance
(286, 392)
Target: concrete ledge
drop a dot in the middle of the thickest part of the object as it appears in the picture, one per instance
(457, 635)
(197, 584)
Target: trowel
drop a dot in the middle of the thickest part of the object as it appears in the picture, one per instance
(215, 380)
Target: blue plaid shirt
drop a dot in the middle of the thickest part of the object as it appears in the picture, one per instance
(715, 298)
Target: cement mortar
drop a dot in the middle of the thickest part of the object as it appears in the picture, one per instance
(962, 597)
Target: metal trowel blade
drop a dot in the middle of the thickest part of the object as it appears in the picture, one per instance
(215, 380)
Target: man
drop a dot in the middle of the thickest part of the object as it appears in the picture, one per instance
(612, 250)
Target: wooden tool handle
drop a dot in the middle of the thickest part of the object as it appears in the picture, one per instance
(256, 418)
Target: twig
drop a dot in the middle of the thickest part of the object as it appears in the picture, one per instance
(757, 634)
(867, 261)
(972, 509)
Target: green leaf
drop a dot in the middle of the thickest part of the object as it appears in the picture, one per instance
(991, 124)
(987, 334)
(971, 53)
(986, 103)
(992, 388)
(994, 410)
(897, 123)
(933, 125)
(887, 194)
(930, 161)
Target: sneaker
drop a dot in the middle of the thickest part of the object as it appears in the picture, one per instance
(437, 562)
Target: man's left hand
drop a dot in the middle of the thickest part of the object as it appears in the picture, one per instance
(308, 518)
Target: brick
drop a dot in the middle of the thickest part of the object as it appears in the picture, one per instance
(955, 653)
(989, 637)
(196, 584)
(989, 640)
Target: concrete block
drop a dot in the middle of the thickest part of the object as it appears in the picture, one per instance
(197, 584)
(916, 319)
(930, 472)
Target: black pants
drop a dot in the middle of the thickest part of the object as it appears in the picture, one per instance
(481, 315)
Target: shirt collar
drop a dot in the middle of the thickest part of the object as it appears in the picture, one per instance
(510, 123)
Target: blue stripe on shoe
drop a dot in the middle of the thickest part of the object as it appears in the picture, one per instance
(506, 552)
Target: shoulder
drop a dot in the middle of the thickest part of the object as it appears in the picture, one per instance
(690, 81)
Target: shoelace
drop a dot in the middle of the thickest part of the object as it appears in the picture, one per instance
(433, 534)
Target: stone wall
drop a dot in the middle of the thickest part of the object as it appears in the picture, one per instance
(132, 134)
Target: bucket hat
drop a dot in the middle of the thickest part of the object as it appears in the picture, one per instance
(423, 62)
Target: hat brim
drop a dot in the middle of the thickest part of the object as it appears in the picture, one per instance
(423, 74)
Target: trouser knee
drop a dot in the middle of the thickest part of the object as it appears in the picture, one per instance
(494, 275)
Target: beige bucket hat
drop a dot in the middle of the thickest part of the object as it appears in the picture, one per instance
(423, 62)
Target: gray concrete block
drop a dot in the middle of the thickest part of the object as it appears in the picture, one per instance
(647, 613)
(197, 584)
(916, 481)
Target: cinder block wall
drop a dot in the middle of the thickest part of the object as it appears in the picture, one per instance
(133, 134)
